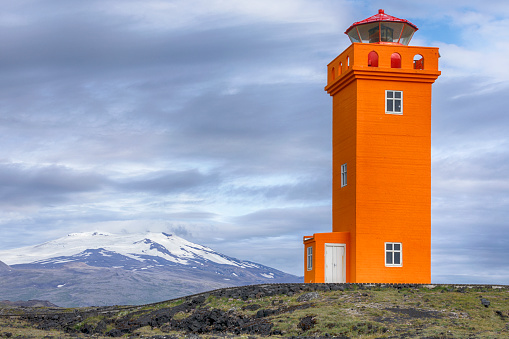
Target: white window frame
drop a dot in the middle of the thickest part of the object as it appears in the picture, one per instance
(391, 251)
(390, 96)
(343, 175)
(310, 258)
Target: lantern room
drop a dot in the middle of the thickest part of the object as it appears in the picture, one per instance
(382, 28)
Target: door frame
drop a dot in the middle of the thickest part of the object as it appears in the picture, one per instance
(343, 264)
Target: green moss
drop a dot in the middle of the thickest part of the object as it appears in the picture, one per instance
(377, 312)
(89, 321)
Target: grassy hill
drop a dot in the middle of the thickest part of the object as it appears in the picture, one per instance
(285, 310)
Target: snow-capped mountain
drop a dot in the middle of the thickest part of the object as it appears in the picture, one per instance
(117, 250)
(98, 268)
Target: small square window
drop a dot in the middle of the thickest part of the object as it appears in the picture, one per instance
(310, 258)
(393, 102)
(343, 175)
(393, 254)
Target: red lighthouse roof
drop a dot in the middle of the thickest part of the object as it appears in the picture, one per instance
(382, 28)
(380, 16)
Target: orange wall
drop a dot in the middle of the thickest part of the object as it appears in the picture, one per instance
(357, 53)
(393, 181)
(388, 196)
(318, 241)
(344, 151)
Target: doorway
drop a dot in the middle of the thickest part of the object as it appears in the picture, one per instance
(335, 263)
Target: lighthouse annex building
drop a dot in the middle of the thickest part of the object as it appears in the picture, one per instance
(381, 134)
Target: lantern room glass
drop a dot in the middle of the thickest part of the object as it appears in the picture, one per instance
(382, 32)
(354, 35)
(406, 35)
(395, 28)
(366, 30)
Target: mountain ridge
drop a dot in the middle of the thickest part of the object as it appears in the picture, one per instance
(99, 268)
(168, 246)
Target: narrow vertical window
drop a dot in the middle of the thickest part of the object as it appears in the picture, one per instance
(418, 61)
(310, 258)
(373, 59)
(395, 60)
(394, 102)
(393, 254)
(343, 175)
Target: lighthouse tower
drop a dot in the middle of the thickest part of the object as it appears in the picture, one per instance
(381, 194)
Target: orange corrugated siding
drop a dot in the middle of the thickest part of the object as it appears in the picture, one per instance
(344, 151)
(393, 181)
(388, 196)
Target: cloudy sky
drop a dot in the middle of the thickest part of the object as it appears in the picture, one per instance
(208, 118)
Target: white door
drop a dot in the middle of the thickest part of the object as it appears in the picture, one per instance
(335, 263)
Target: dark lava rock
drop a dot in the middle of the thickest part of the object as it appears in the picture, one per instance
(251, 307)
(101, 327)
(337, 287)
(87, 329)
(262, 327)
(217, 321)
(265, 313)
(485, 302)
(114, 333)
(307, 323)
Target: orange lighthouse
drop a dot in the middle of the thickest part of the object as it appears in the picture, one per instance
(381, 194)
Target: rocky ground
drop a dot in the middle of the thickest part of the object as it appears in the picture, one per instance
(289, 310)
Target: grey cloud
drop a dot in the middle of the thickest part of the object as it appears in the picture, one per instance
(250, 132)
(470, 176)
(180, 231)
(314, 187)
(469, 111)
(472, 256)
(70, 42)
(237, 102)
(291, 220)
(283, 253)
(170, 182)
(44, 185)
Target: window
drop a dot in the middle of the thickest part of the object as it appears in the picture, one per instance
(373, 59)
(395, 60)
(343, 175)
(393, 102)
(418, 61)
(393, 254)
(310, 258)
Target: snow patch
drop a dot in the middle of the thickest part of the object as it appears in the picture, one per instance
(133, 246)
(105, 254)
(269, 276)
